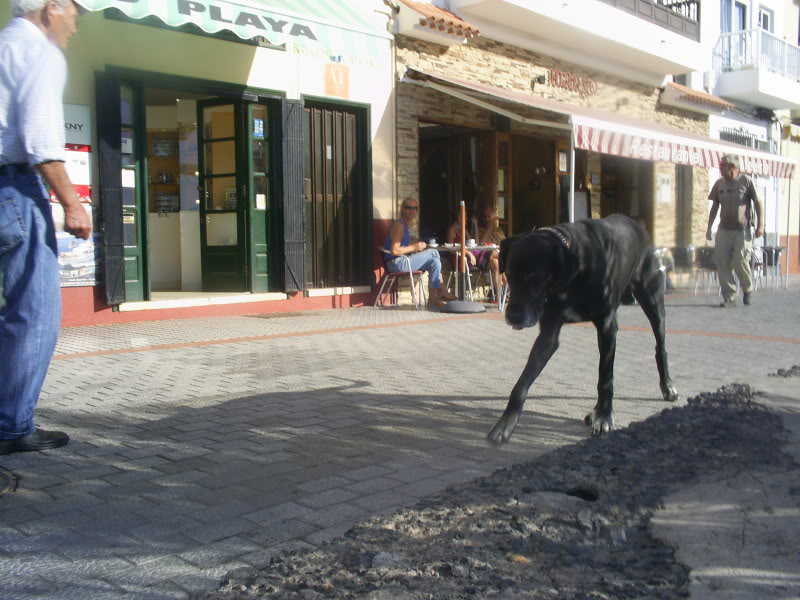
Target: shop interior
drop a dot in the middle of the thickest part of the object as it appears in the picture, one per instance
(513, 173)
(173, 221)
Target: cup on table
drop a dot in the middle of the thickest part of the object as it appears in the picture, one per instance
(432, 243)
(470, 242)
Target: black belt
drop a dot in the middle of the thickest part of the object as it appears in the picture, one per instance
(16, 169)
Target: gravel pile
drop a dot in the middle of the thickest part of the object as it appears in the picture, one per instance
(793, 372)
(573, 524)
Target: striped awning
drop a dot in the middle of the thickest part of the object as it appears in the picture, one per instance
(336, 27)
(612, 133)
(621, 139)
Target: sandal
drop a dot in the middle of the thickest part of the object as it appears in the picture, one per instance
(447, 296)
(436, 303)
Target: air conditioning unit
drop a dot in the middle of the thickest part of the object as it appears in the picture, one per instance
(709, 81)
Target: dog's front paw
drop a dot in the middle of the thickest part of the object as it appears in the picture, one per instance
(504, 428)
(600, 424)
(669, 392)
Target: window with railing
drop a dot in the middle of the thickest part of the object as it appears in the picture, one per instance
(756, 48)
(745, 138)
(680, 16)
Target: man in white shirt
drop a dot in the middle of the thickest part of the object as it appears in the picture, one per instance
(32, 76)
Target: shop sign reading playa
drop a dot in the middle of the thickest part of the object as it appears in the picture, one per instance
(250, 20)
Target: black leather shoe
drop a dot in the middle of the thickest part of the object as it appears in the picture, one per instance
(38, 440)
(746, 298)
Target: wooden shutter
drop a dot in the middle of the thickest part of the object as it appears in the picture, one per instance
(292, 149)
(110, 175)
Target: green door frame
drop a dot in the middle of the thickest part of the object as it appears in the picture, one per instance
(260, 194)
(259, 226)
(224, 265)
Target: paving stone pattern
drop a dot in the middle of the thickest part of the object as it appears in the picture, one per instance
(189, 462)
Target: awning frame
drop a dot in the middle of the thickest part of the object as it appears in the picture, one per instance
(696, 150)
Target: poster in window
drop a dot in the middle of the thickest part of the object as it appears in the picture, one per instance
(77, 258)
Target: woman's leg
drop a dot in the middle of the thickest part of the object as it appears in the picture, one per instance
(494, 268)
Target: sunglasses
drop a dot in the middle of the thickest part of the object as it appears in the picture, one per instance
(411, 207)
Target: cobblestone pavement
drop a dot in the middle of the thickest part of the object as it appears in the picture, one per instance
(204, 445)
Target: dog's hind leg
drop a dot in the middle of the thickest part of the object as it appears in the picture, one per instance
(602, 417)
(650, 295)
(543, 348)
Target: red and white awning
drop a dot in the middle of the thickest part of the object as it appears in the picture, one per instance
(619, 139)
(611, 133)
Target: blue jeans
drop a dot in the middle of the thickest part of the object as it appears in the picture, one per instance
(31, 315)
(428, 260)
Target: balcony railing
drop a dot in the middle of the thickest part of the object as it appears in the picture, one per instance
(745, 138)
(680, 16)
(756, 48)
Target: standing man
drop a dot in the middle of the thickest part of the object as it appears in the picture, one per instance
(734, 192)
(33, 73)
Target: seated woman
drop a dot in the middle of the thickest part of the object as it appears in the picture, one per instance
(489, 232)
(398, 244)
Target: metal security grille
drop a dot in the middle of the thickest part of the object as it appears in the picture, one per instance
(334, 203)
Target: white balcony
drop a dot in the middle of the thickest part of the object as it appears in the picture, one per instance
(593, 33)
(757, 68)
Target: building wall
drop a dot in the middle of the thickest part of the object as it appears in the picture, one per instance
(510, 67)
(101, 42)
(789, 219)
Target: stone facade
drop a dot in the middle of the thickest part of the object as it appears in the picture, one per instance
(509, 67)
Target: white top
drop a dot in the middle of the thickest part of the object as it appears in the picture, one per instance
(33, 72)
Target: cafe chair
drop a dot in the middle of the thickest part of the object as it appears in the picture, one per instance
(705, 268)
(684, 261)
(392, 279)
(757, 266)
(482, 275)
(772, 266)
(502, 301)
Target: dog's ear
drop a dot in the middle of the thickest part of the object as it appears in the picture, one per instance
(505, 250)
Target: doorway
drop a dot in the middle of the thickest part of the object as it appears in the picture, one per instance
(336, 207)
(454, 165)
(197, 197)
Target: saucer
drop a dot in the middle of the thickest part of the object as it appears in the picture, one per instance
(433, 245)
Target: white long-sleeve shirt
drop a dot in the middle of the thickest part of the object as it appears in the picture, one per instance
(33, 73)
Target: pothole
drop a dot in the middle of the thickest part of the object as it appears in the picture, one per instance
(8, 481)
(586, 494)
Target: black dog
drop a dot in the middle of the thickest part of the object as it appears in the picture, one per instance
(580, 272)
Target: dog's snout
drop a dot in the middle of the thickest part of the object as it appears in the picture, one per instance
(520, 316)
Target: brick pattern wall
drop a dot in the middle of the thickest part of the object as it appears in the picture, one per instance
(490, 62)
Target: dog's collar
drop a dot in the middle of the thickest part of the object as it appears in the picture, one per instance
(557, 233)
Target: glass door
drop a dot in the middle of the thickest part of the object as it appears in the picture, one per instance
(223, 196)
(259, 201)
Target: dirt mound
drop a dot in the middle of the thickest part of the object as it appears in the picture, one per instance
(573, 524)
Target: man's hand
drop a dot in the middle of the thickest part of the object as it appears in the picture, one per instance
(708, 234)
(419, 246)
(77, 221)
(759, 231)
